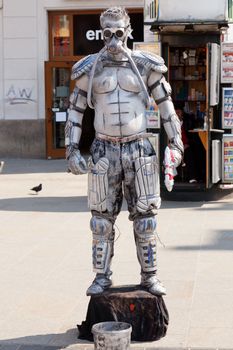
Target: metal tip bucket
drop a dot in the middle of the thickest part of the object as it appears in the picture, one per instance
(112, 335)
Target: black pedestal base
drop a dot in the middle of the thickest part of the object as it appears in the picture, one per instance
(146, 312)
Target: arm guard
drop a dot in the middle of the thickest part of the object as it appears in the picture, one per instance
(73, 128)
(161, 92)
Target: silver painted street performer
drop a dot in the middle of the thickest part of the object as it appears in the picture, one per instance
(117, 82)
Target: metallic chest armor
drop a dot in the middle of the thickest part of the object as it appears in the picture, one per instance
(118, 101)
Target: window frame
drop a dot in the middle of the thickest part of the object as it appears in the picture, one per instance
(70, 14)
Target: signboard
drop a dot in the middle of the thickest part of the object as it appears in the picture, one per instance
(191, 11)
(151, 113)
(152, 117)
(154, 48)
(227, 62)
(150, 10)
(88, 34)
(227, 108)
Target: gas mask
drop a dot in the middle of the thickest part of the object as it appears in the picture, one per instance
(115, 38)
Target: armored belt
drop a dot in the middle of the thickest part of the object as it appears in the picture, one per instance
(118, 139)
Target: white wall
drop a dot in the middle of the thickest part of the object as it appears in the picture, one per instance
(1, 66)
(20, 59)
(171, 10)
(90, 4)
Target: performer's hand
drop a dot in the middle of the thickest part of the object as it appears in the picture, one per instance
(76, 163)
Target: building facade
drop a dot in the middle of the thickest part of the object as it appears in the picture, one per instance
(33, 94)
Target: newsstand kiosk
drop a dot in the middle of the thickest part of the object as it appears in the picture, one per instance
(193, 58)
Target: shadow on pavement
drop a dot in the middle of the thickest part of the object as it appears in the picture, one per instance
(223, 240)
(46, 341)
(70, 204)
(179, 205)
(45, 204)
(216, 206)
(32, 166)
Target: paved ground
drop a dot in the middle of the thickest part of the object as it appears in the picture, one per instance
(45, 259)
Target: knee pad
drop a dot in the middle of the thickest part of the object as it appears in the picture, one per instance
(145, 226)
(101, 226)
(144, 230)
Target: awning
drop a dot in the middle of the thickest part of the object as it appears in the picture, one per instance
(189, 27)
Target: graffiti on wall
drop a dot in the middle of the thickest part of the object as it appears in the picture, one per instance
(17, 95)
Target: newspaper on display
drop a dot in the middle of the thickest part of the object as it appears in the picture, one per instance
(227, 63)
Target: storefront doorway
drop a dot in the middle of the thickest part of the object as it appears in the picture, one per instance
(73, 35)
(58, 87)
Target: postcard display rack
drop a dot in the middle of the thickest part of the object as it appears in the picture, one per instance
(227, 123)
(227, 108)
(227, 168)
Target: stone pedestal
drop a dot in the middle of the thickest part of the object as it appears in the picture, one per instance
(146, 312)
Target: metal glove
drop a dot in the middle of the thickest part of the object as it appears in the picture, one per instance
(76, 163)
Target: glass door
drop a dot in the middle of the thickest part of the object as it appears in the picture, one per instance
(58, 88)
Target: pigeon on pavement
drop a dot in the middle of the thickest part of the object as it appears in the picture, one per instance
(36, 189)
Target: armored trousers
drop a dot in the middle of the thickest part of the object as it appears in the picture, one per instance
(123, 169)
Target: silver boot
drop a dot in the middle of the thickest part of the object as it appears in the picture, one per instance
(153, 284)
(100, 284)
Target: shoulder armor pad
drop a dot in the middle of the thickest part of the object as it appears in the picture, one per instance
(83, 66)
(149, 61)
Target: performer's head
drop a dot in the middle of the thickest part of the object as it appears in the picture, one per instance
(115, 24)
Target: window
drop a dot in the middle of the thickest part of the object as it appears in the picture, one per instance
(74, 34)
(61, 35)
